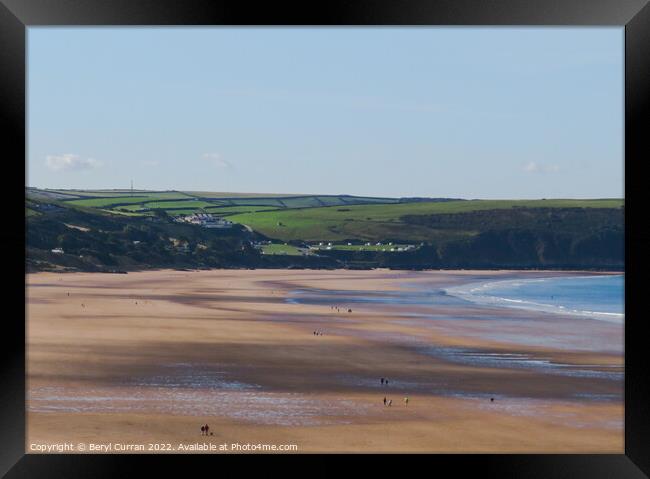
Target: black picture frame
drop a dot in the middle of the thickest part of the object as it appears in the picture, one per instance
(634, 15)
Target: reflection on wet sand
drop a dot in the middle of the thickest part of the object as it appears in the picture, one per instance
(240, 349)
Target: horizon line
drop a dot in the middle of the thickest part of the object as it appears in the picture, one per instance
(128, 190)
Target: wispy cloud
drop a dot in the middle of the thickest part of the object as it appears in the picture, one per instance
(216, 160)
(533, 167)
(70, 162)
(151, 163)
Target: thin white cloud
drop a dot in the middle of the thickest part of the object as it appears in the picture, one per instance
(216, 160)
(151, 163)
(70, 162)
(533, 167)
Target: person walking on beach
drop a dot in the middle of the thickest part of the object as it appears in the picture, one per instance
(390, 402)
(406, 401)
(202, 430)
(382, 380)
(207, 428)
(384, 400)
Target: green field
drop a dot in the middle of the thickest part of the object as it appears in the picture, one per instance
(238, 203)
(216, 195)
(163, 195)
(177, 212)
(107, 202)
(166, 205)
(137, 203)
(232, 210)
(123, 213)
(368, 222)
(281, 249)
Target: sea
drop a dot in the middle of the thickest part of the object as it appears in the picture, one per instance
(600, 297)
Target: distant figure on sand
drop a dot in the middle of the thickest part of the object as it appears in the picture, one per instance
(386, 380)
(406, 401)
(202, 430)
(207, 428)
(384, 400)
(349, 310)
(390, 402)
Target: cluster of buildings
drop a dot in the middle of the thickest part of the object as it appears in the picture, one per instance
(372, 246)
(205, 220)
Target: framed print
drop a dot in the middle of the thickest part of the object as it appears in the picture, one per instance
(408, 230)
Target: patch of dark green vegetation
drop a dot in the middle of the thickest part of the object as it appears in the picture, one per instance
(518, 238)
(63, 238)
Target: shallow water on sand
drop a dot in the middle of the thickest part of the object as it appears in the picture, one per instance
(194, 390)
(524, 361)
(491, 321)
(426, 306)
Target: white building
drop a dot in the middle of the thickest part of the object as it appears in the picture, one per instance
(205, 220)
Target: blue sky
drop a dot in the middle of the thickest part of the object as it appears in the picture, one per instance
(440, 112)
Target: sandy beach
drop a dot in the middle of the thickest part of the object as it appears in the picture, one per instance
(146, 358)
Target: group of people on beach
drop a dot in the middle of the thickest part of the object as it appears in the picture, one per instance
(389, 402)
(318, 333)
(205, 430)
(338, 310)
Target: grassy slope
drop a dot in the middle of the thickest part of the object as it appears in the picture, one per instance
(106, 202)
(231, 210)
(381, 221)
(169, 200)
(177, 204)
(216, 195)
(163, 195)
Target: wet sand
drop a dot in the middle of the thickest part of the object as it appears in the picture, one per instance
(148, 357)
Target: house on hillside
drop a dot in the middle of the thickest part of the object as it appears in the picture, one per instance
(205, 220)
